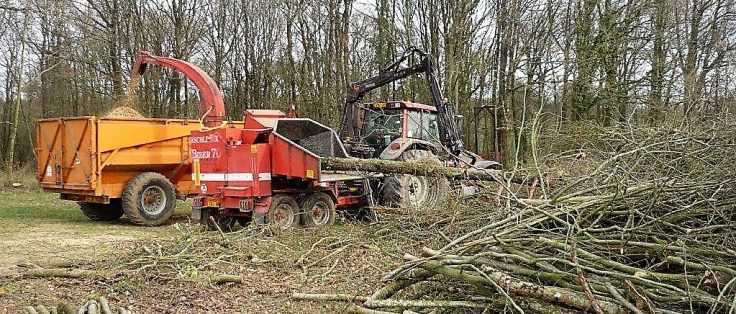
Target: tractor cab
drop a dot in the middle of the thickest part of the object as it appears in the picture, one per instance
(384, 122)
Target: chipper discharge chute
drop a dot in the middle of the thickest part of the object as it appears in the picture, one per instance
(269, 172)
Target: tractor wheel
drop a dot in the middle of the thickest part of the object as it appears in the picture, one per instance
(102, 212)
(149, 199)
(283, 214)
(408, 191)
(226, 224)
(318, 211)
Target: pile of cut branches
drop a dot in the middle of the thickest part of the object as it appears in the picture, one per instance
(651, 229)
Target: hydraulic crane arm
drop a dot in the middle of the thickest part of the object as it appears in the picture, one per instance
(449, 135)
(211, 106)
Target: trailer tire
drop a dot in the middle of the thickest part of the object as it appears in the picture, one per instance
(149, 199)
(408, 191)
(318, 211)
(283, 214)
(102, 212)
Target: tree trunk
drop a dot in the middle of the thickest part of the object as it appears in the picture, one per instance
(10, 152)
(656, 76)
(690, 72)
(419, 168)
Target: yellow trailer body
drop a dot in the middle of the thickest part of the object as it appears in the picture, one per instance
(90, 159)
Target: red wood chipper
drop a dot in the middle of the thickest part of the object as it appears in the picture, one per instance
(269, 172)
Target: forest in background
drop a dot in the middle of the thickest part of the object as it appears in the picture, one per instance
(566, 62)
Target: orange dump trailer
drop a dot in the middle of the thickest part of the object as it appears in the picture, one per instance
(116, 166)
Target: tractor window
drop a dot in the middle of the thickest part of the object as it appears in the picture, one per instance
(429, 127)
(381, 125)
(414, 125)
(423, 125)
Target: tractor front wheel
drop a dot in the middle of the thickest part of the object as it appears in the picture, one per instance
(408, 191)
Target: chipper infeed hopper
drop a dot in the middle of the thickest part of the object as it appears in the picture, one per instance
(269, 171)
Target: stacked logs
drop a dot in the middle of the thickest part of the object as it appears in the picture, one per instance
(93, 306)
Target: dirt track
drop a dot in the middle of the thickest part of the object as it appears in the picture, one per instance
(47, 245)
(37, 230)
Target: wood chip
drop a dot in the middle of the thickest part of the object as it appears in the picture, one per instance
(123, 112)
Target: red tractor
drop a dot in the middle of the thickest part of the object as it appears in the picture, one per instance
(406, 131)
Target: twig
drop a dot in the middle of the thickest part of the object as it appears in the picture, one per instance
(620, 298)
(328, 297)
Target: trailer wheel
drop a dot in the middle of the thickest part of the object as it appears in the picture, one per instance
(149, 199)
(408, 191)
(226, 224)
(318, 211)
(283, 214)
(102, 212)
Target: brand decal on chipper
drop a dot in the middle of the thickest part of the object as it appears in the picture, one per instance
(206, 154)
(212, 138)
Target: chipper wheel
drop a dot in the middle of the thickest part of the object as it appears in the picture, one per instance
(282, 215)
(226, 224)
(102, 212)
(408, 191)
(149, 199)
(318, 211)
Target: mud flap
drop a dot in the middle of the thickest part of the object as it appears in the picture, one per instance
(259, 218)
(196, 214)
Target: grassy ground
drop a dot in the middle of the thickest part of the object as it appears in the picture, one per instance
(164, 269)
(38, 228)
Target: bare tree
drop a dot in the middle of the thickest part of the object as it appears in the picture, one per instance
(10, 149)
